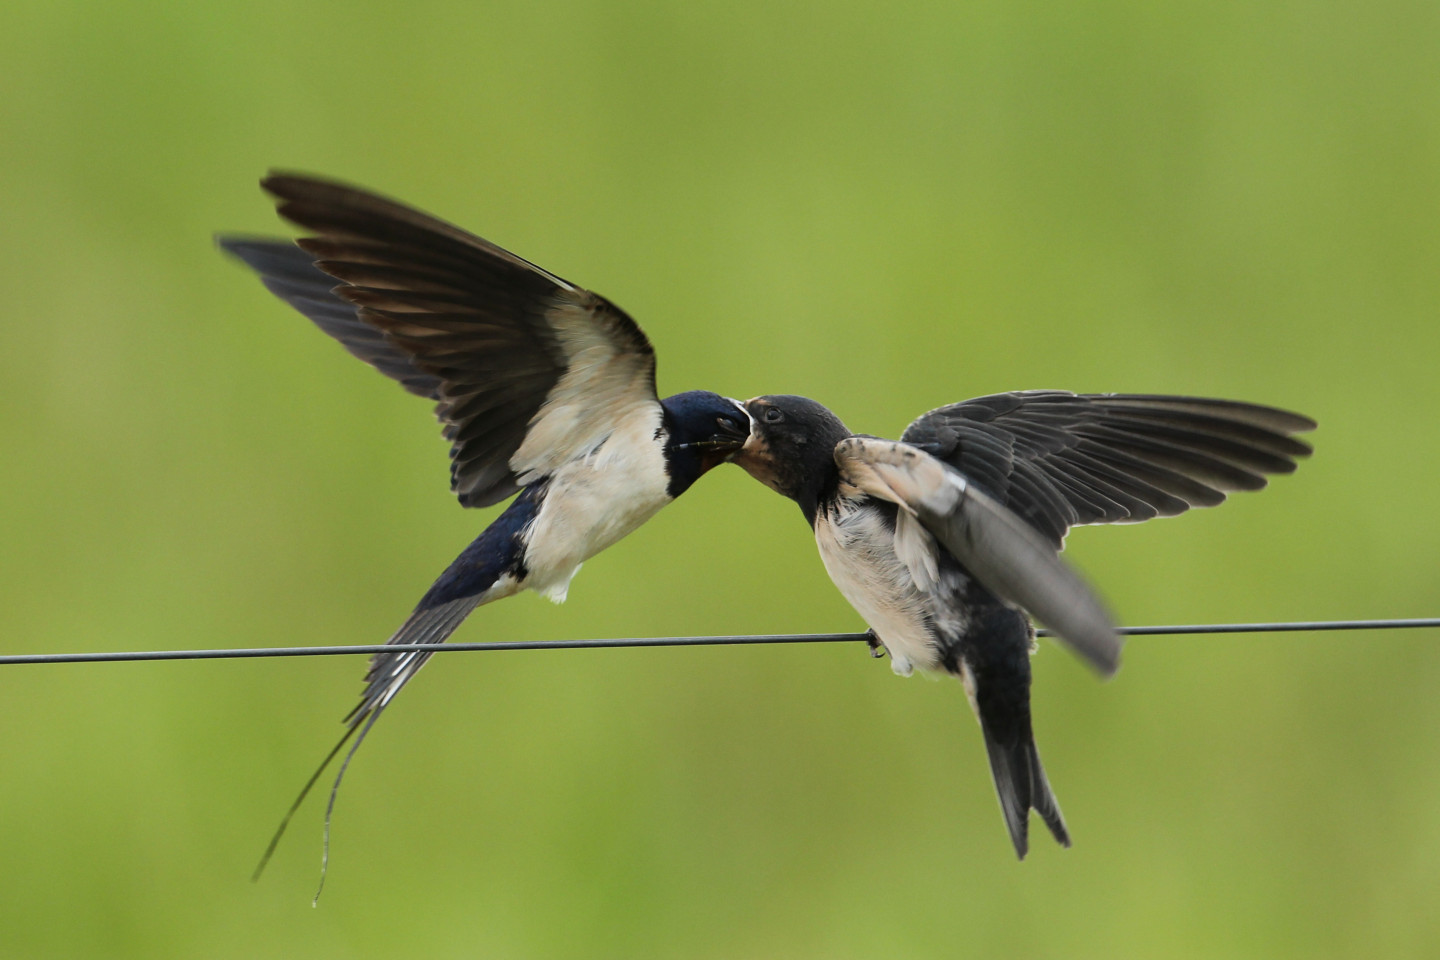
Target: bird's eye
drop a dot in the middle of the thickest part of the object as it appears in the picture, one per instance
(727, 423)
(773, 415)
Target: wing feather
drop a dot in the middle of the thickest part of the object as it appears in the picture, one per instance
(1058, 459)
(290, 273)
(528, 371)
(1005, 553)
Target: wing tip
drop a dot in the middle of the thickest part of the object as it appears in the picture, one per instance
(286, 183)
(1106, 665)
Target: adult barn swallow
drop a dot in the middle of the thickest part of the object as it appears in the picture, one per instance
(948, 541)
(543, 388)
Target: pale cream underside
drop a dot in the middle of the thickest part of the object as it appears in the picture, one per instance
(858, 553)
(597, 499)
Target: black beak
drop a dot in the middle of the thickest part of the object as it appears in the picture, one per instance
(729, 436)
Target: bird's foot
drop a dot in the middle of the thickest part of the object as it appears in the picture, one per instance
(877, 647)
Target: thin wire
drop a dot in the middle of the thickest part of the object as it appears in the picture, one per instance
(371, 648)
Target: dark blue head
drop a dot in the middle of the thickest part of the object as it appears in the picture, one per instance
(703, 430)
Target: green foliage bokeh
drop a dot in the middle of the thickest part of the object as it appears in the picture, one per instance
(884, 207)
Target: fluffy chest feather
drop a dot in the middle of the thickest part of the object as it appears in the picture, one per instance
(595, 500)
(857, 544)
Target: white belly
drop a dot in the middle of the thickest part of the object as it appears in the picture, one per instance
(593, 501)
(859, 554)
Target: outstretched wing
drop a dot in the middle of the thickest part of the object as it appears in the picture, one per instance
(528, 370)
(1058, 459)
(290, 273)
(1002, 551)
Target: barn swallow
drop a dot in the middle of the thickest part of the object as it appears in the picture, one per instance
(544, 389)
(947, 542)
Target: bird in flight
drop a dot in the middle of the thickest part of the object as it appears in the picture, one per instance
(947, 542)
(543, 389)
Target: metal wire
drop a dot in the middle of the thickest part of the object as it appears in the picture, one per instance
(371, 648)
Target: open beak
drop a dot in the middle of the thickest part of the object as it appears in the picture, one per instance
(729, 442)
(725, 442)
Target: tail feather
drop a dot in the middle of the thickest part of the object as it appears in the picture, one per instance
(488, 569)
(389, 672)
(1043, 800)
(1021, 785)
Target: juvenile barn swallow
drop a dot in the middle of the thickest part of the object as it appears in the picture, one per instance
(948, 541)
(543, 388)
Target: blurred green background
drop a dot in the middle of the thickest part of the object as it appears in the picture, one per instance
(885, 207)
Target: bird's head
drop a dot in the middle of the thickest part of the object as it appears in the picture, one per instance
(792, 448)
(704, 430)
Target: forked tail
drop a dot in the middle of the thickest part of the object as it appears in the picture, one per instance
(489, 569)
(389, 672)
(1021, 785)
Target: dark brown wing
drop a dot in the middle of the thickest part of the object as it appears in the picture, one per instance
(529, 371)
(1059, 459)
(290, 273)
